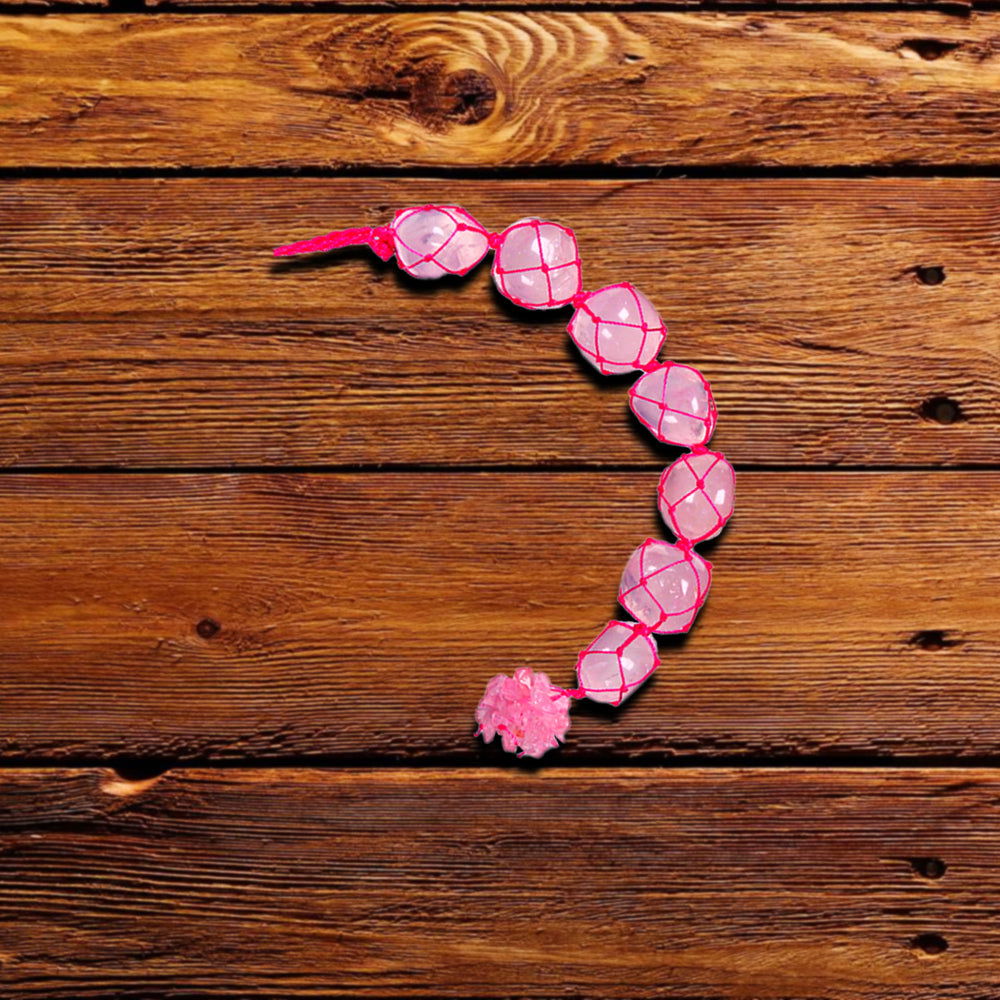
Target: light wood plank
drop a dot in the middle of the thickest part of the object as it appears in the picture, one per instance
(360, 616)
(778, 885)
(499, 89)
(144, 323)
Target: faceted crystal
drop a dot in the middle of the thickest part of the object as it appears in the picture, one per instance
(696, 495)
(434, 240)
(617, 329)
(675, 403)
(664, 585)
(616, 663)
(537, 264)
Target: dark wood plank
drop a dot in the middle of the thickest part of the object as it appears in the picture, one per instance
(145, 323)
(790, 884)
(500, 89)
(359, 616)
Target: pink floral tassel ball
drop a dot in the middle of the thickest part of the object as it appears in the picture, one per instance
(527, 710)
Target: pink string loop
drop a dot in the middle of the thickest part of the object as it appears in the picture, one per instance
(379, 238)
(699, 449)
(579, 299)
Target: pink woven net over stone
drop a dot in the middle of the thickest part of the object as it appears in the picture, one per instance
(616, 663)
(675, 403)
(527, 710)
(617, 329)
(537, 264)
(665, 585)
(434, 240)
(696, 495)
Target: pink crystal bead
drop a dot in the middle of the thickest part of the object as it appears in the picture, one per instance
(665, 585)
(696, 495)
(537, 264)
(434, 240)
(674, 402)
(617, 329)
(616, 663)
(527, 710)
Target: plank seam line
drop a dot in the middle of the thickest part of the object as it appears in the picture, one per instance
(492, 174)
(958, 8)
(458, 469)
(144, 769)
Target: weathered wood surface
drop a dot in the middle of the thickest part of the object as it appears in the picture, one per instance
(499, 89)
(778, 885)
(144, 323)
(359, 616)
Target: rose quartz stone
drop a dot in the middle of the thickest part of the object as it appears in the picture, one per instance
(675, 403)
(696, 495)
(664, 586)
(537, 264)
(527, 710)
(435, 240)
(617, 329)
(616, 663)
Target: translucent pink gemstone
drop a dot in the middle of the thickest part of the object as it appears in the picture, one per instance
(434, 240)
(527, 710)
(675, 402)
(696, 495)
(616, 662)
(537, 264)
(664, 585)
(617, 329)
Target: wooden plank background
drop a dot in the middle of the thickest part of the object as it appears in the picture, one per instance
(801, 300)
(269, 526)
(602, 882)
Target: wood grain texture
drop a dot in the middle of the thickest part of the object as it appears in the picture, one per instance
(144, 323)
(777, 885)
(499, 89)
(359, 616)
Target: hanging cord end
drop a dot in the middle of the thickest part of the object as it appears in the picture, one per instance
(379, 238)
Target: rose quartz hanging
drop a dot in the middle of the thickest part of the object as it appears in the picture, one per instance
(617, 329)
(664, 585)
(537, 264)
(616, 663)
(696, 495)
(434, 240)
(675, 403)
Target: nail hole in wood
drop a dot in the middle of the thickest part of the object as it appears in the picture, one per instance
(931, 868)
(928, 48)
(929, 944)
(208, 628)
(137, 768)
(941, 410)
(930, 275)
(932, 639)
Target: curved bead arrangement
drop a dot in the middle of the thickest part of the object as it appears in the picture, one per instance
(536, 265)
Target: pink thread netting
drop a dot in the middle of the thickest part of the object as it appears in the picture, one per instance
(664, 585)
(528, 711)
(616, 663)
(674, 402)
(434, 240)
(537, 265)
(696, 494)
(617, 329)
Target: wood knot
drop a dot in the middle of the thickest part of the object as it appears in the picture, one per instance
(208, 628)
(941, 410)
(930, 945)
(464, 98)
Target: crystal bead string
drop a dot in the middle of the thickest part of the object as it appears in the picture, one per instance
(536, 265)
